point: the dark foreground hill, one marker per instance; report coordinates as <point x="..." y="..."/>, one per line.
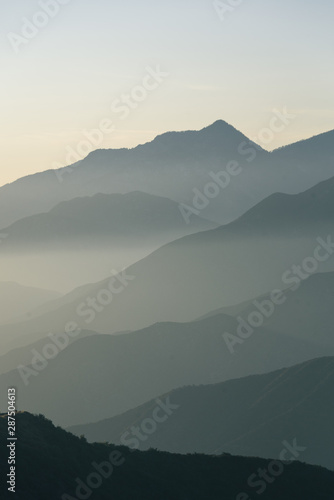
<point x="249" y="416"/>
<point x="51" y="464"/>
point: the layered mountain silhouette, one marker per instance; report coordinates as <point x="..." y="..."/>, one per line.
<point x="168" y="166"/>
<point x="196" y="271"/>
<point x="23" y="356"/>
<point x="81" y="240"/>
<point x="136" y="367"/>
<point x="55" y="464"/>
<point x="102" y="220"/>
<point x="315" y="149"/>
<point x="228" y="265"/>
<point x="247" y="416"/>
<point x="306" y="313"/>
<point x="173" y="165"/>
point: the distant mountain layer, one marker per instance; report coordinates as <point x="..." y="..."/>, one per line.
<point x="201" y="272"/>
<point x="306" y="312"/>
<point x="247" y="416"/>
<point x="131" y="369"/>
<point x="173" y="165"/>
<point x="54" y="464"/>
<point x="319" y="146"/>
<point x="81" y="240"/>
<point x="115" y="220"/>
<point x="52" y="343"/>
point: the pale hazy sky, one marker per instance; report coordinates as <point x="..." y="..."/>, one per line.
<point x="265" y="54"/>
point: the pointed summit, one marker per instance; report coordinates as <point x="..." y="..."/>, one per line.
<point x="224" y="129"/>
<point x="219" y="138"/>
<point x="219" y="125"/>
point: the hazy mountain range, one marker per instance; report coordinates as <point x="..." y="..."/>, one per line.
<point x="82" y="240"/>
<point x="306" y="313"/>
<point x="223" y="266"/>
<point x="136" y="367"/>
<point x="197" y="268"/>
<point x="171" y="166"/>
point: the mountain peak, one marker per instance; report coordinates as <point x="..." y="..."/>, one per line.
<point x="213" y="136"/>
<point x="219" y="124"/>
<point x="222" y="127"/>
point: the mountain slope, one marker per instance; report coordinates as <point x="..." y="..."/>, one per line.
<point x="18" y="355"/>
<point x="310" y="150"/>
<point x="99" y="220"/>
<point x="130" y="369"/>
<point x="51" y="463"/>
<point x="173" y="165"/>
<point x="81" y="240"/>
<point x="223" y="266"/>
<point x="248" y="416"/>
<point x="307" y="312"/>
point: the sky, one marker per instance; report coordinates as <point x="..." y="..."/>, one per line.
<point x="233" y="60"/>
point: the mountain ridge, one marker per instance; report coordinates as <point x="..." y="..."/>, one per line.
<point x="245" y="416"/>
<point x="51" y="463"/>
<point x="171" y="166"/>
